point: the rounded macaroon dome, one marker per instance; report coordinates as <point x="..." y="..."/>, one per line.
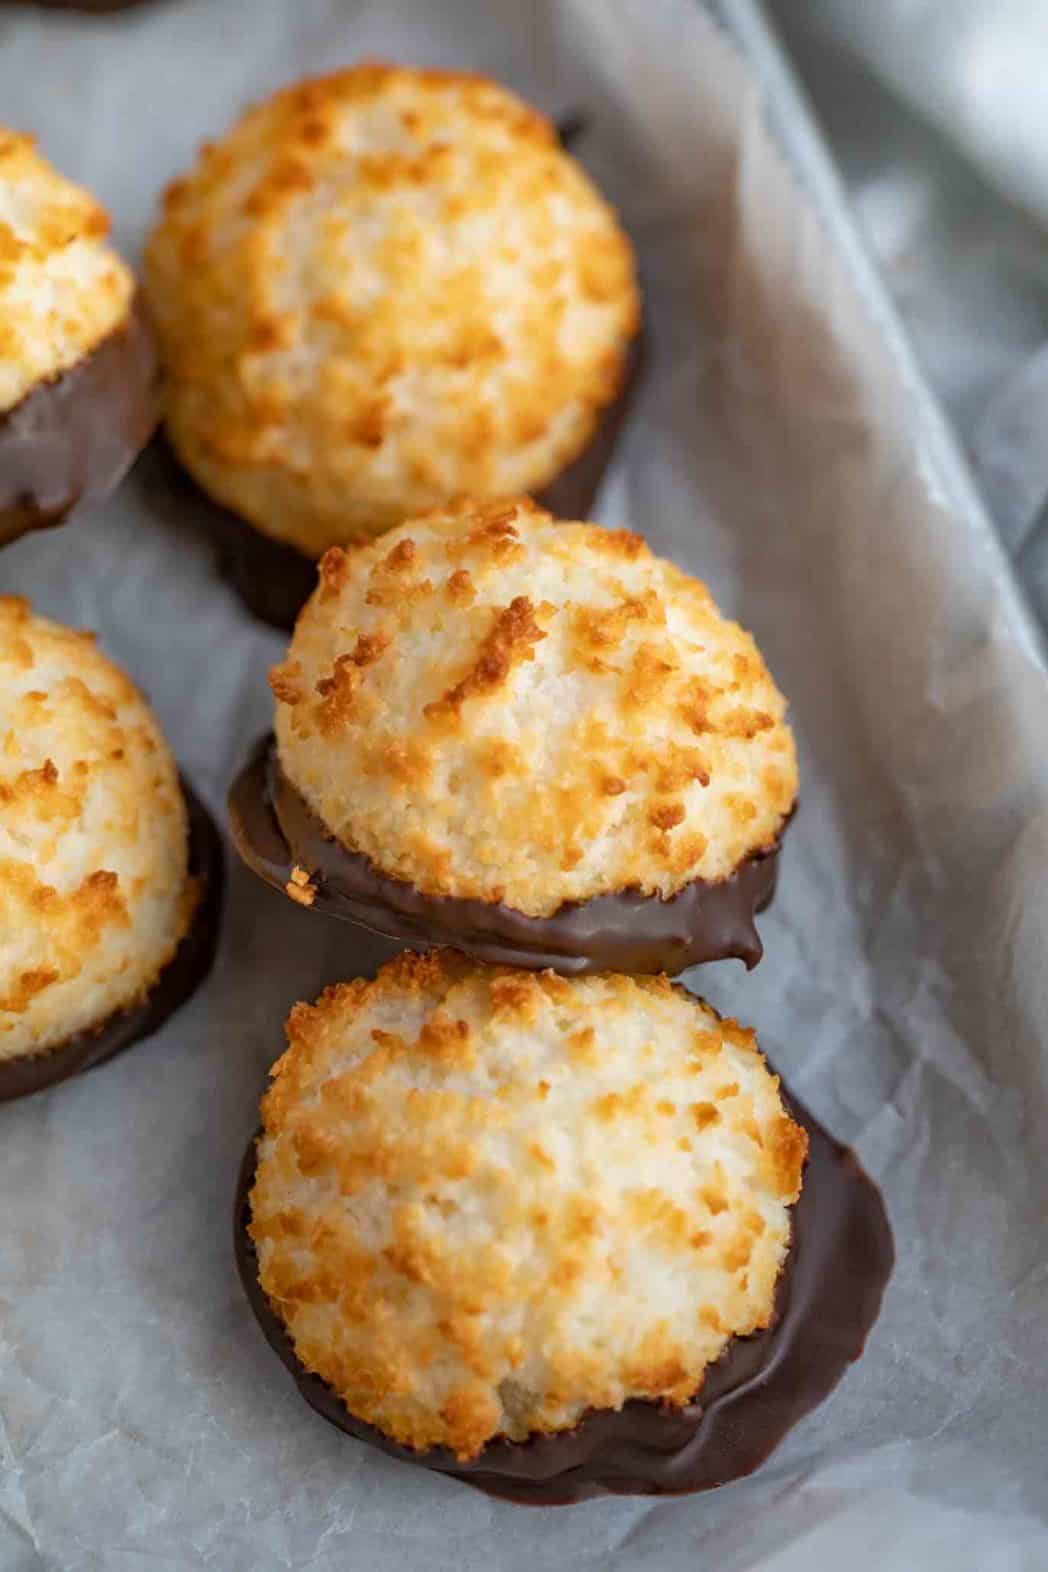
<point x="493" y="705"/>
<point x="63" y="289"/>
<point x="382" y="289"/>
<point x="95" y="894"/>
<point x="487" y="1201"/>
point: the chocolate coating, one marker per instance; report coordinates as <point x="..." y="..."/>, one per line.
<point x="177" y="982"/>
<point x="70" y="440"/>
<point x="275" y="831"/>
<point x="275" y="580"/>
<point x="828" y="1298"/>
<point x="571" y="128"/>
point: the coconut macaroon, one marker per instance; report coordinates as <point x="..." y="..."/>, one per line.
<point x="492" y="726"/>
<point x="96" y="890"/>
<point x="76" y="364"/>
<point x="382" y="289"/>
<point x="488" y="1202"/>
<point x="64" y="288"/>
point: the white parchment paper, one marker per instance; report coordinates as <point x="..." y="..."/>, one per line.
<point x="781" y="450"/>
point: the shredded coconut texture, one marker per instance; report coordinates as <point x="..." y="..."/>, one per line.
<point x="487" y="1201"/>
<point x="63" y="289"/>
<point x="94" y="891"/>
<point x="382" y="289"/>
<point x="491" y="704"/>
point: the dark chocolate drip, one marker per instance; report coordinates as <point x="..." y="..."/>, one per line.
<point x="177" y="982"/>
<point x="275" y="831"/>
<point x="574" y="491"/>
<point x="571" y="128"/>
<point x="70" y="440"/>
<point x="828" y="1298"/>
<point x="274" y="580"/>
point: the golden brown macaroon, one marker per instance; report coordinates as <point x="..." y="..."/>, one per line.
<point x="76" y="363"/>
<point x="487" y="1201"/>
<point x="63" y="288"/>
<point x="381" y="289"/>
<point x="95" y="890"/>
<point x="490" y="705"/>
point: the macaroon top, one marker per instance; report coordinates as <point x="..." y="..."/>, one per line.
<point x="94" y="891"/>
<point x="63" y="289"/>
<point x="491" y="704"/>
<point x="381" y="289"/>
<point x="487" y="1201"/>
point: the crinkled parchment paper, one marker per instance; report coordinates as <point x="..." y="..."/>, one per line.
<point x="782" y="450"/>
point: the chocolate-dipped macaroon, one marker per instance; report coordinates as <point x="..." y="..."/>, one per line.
<point x="381" y="290"/>
<point x="77" y="373"/>
<point x="544" y="1233"/>
<point x="534" y="740"/>
<point x="110" y="870"/>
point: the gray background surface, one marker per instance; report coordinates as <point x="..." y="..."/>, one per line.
<point x="955" y="214"/>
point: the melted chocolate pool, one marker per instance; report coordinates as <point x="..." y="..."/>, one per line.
<point x="274" y="580"/>
<point x="176" y="983"/>
<point x="829" y="1297"/>
<point x="70" y="440"/>
<point x="275" y="832"/>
